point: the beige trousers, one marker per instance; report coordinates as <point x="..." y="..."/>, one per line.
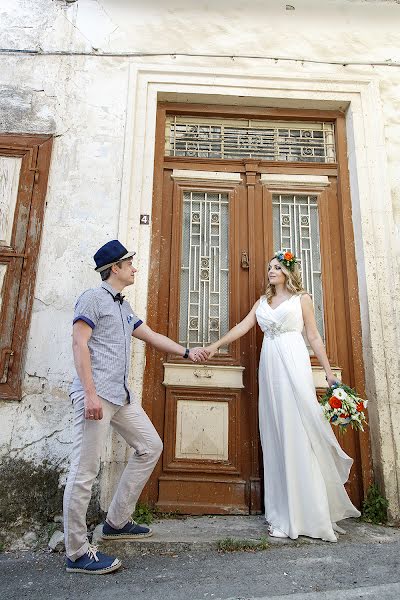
<point x="90" y="436"/>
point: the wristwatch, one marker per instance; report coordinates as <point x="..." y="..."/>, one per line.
<point x="186" y="355"/>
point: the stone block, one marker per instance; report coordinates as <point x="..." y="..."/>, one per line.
<point x="56" y="542"/>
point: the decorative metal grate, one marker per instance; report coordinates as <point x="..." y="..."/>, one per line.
<point x="243" y="138"/>
<point x="296" y="228"/>
<point x="204" y="297"/>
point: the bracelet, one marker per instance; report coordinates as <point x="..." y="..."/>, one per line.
<point x="186" y="355"/>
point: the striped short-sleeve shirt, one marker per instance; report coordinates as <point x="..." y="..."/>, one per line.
<point x="112" y="326"/>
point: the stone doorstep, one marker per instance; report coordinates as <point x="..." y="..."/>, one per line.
<point x="204" y="533"/>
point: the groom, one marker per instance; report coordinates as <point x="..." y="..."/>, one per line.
<point x="103" y="325"/>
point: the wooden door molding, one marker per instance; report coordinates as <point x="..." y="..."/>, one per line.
<point x="231" y="465"/>
<point x="351" y="303"/>
<point x="256" y="253"/>
<point x="248" y="112"/>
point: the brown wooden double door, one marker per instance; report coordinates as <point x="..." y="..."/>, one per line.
<point x="222" y="220"/>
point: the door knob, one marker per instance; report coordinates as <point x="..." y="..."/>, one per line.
<point x="245" y="260"/>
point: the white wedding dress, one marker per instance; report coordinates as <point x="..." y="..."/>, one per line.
<point x="304" y="466"/>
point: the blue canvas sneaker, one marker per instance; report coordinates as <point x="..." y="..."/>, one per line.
<point x="131" y="531"/>
<point x="93" y="562"/>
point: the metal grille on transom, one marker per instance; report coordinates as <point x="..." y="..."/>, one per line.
<point x="296" y="228"/>
<point x="244" y="138"/>
<point x="204" y="298"/>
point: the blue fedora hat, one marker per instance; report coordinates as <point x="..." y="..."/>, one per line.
<point x="109" y="254"/>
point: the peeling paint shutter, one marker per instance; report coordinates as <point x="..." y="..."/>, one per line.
<point x="23" y="162"/>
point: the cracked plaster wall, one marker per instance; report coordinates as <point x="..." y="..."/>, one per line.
<point x="82" y="100"/>
<point x="83" y="103"/>
<point x="82" y="212"/>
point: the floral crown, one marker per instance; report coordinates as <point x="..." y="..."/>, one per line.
<point x="286" y="258"/>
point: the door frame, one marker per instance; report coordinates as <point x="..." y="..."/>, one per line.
<point x="157" y="310"/>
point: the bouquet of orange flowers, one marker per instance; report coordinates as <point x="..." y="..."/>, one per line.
<point x="342" y="406"/>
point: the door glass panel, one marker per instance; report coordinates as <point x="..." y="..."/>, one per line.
<point x="10" y="167"/>
<point x="296" y="228"/>
<point x="204" y="278"/>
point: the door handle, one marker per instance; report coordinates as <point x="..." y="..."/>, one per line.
<point x="245" y="260"/>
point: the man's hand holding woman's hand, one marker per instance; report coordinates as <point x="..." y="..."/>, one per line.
<point x="93" y="408"/>
<point x="198" y="354"/>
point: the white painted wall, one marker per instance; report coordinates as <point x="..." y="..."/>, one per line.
<point x="69" y="89"/>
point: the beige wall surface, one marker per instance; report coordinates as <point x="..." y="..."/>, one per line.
<point x="70" y="74"/>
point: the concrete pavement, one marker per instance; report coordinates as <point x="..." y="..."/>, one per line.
<point x="364" y="564"/>
<point x="388" y="592"/>
<point x="205" y="533"/>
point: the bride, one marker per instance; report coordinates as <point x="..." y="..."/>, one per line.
<point x="304" y="467"/>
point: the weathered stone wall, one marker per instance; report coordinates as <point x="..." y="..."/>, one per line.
<point x="56" y="81"/>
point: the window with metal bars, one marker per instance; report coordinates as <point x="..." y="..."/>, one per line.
<point x="284" y="141"/>
<point x="296" y="228"/>
<point x="204" y="293"/>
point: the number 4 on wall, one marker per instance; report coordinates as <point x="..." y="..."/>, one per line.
<point x="144" y="219"/>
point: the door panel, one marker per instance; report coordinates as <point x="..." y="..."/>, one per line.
<point x="206" y="430"/>
<point x="305" y="219"/>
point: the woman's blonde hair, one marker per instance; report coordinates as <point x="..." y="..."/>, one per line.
<point x="294" y="284"/>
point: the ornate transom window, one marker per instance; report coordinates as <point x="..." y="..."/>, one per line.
<point x="286" y="141"/>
